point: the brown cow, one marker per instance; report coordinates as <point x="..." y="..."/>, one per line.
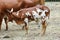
<point x="16" y="5"/>
<point x="42" y="2"/>
<point x="32" y="13"/>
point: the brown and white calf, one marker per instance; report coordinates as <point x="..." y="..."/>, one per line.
<point x="31" y="14"/>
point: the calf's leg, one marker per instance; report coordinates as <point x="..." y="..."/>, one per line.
<point x="5" y="19"/>
<point x="43" y="27"/>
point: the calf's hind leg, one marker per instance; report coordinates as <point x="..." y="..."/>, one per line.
<point x="26" y="25"/>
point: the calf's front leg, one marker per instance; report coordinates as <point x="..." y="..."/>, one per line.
<point x="43" y="27"/>
<point x="5" y="19"/>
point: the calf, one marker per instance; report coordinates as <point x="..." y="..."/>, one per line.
<point x="28" y="14"/>
<point x="23" y="16"/>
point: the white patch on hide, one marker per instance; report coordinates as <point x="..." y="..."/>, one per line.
<point x="28" y="14"/>
<point x="38" y="10"/>
<point x="35" y="15"/>
<point x="43" y="14"/>
<point x="26" y="20"/>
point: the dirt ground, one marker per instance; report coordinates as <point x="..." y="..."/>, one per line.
<point x="52" y="32"/>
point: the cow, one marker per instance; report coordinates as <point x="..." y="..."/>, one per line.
<point x="42" y="2"/>
<point x="31" y="14"/>
<point x="16" y="5"/>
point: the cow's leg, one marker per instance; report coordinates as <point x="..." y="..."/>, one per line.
<point x="0" y="22"/>
<point x="5" y="19"/>
<point x="26" y="25"/>
<point x="43" y="27"/>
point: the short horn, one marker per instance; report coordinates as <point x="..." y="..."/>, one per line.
<point x="11" y="10"/>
